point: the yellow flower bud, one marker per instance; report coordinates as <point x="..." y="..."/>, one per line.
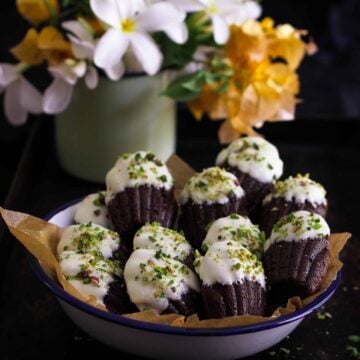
<point x="37" y="11"/>
<point x="27" y="50"/>
<point x="54" y="46"/>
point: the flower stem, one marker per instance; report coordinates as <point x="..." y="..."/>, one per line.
<point x="198" y="19"/>
<point x="51" y="9"/>
<point x="22" y="67"/>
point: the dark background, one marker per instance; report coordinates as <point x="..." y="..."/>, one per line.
<point x="326" y="149"/>
<point x="330" y="79"/>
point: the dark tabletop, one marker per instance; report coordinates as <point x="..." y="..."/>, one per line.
<point x="31" y="321"/>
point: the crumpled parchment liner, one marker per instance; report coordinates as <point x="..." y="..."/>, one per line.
<point x="41" y="239"/>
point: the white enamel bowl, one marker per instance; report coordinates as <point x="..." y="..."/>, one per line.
<point x="166" y="342"/>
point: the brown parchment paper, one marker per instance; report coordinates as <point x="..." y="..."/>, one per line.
<point x="41" y="239"/>
<point x="181" y="172"/>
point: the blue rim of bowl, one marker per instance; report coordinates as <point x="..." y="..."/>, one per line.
<point x="167" y="329"/>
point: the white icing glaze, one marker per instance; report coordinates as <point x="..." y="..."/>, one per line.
<point x="298" y="189"/>
<point x="156" y="237"/>
<point x="253" y="156"/>
<point x="296" y="226"/>
<point x="152" y="281"/>
<point x="212" y="185"/>
<point x="228" y="262"/>
<point x="93" y="209"/>
<point x="87" y="238"/>
<point x="236" y="228"/>
<point x="140" y="168"/>
<point x="99" y="273"/>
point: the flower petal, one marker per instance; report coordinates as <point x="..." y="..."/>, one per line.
<point x="110" y="49"/>
<point x="91" y="78"/>
<point x="65" y="73"/>
<point x="220" y="29"/>
<point x="179" y="33"/>
<point x="107" y="11"/>
<point x="78" y="30"/>
<point x="159" y="16"/>
<point x="14" y="112"/>
<point x="115" y="72"/>
<point x="253" y="9"/>
<point x="57" y="96"/>
<point x="27" y="50"/>
<point x="227" y="133"/>
<point x="50" y="38"/>
<point x="146" y="52"/>
<point x="226" y="7"/>
<point x="30" y="97"/>
<point x="188" y="5"/>
<point x="79" y="69"/>
<point x="8" y="74"/>
<point x="128" y="8"/>
<point x="244" y="12"/>
<point x="82" y="49"/>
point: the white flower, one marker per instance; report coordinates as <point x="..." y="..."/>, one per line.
<point x="82" y="41"/>
<point x="177" y="32"/>
<point x="83" y="46"/>
<point x="222" y="13"/>
<point x="130" y="23"/>
<point x="58" y="95"/>
<point x="246" y="10"/>
<point x="20" y="98"/>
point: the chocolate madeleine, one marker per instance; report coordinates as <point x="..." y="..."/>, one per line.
<point x="256" y="164"/>
<point x="212" y="194"/>
<point x="166" y="242"/>
<point x="157" y="282"/>
<point x="236" y="228"/>
<point x="297" y="255"/>
<point x="293" y="194"/>
<point x="88" y="256"/>
<point x="93" y="209"/>
<point x="232" y="281"/>
<point x="139" y="190"/>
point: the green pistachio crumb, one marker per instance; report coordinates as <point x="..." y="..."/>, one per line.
<point x="97" y="212"/>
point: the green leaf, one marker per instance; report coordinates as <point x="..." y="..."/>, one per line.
<point x="211" y="78"/>
<point x="223" y="88"/>
<point x="354" y="352"/>
<point x="185" y="88"/>
<point x="195" y="83"/>
<point x="354" y="338"/>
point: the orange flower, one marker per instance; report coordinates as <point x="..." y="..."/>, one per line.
<point x="54" y="46"/>
<point x="27" y="50"/>
<point x="48" y="45"/>
<point x="264" y="84"/>
<point x="37" y="11"/>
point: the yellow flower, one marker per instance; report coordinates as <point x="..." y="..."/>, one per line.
<point x="37" y="11"/>
<point x="27" y="50"/>
<point x="54" y="46"/>
<point x="246" y="44"/>
<point x="209" y="102"/>
<point x="48" y="45"/>
<point x="288" y="45"/>
<point x="264" y="84"/>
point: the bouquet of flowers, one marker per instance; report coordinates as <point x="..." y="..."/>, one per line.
<point x="228" y="65"/>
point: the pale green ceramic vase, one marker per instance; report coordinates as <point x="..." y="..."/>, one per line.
<point x="116" y="117"/>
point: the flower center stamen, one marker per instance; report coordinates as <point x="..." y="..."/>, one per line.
<point x="212" y="9"/>
<point x="128" y="25"/>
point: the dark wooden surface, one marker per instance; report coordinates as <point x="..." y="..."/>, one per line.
<point x="31" y="321"/>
